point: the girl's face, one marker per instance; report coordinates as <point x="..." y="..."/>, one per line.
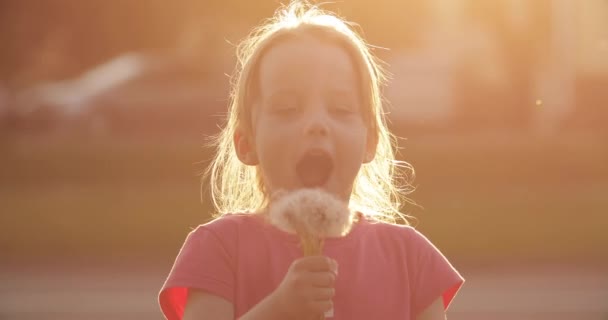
<point x="308" y="125"/>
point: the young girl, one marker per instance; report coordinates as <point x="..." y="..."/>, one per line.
<point x="306" y="113"/>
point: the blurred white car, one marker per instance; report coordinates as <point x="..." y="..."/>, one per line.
<point x="131" y="93"/>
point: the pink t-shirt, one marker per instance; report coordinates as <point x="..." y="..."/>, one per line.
<point x="386" y="271"/>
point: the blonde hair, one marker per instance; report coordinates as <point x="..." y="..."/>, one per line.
<point x="236" y="187"/>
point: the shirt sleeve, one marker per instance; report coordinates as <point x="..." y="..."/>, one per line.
<point x="205" y="263"/>
<point x="433" y="275"/>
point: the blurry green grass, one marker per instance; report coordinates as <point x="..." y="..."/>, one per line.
<point x="484" y="199"/>
<point x="118" y="221"/>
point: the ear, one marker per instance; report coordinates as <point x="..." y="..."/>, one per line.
<point x="245" y="149"/>
<point x="371" y="146"/>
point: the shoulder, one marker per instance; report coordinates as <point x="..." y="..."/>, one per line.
<point x="227" y="224"/>
<point x="214" y="244"/>
<point x="224" y="231"/>
<point x="394" y="231"/>
<point x="398" y="237"/>
<point x="430" y="273"/>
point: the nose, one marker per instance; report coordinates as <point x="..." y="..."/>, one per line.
<point x="316" y="124"/>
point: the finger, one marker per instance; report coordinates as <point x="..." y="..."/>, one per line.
<point x="317" y="263"/>
<point x="322" y="279"/>
<point x="321" y="306"/>
<point x="323" y="294"/>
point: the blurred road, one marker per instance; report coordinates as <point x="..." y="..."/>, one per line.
<point x="100" y="293"/>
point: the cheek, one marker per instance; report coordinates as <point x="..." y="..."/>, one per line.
<point x="272" y="135"/>
<point x="272" y="148"/>
<point x="353" y="152"/>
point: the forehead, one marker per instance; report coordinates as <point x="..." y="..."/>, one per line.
<point x="306" y="64"/>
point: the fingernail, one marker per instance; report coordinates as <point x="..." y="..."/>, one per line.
<point x="334" y="266"/>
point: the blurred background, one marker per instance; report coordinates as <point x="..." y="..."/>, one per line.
<point x="105" y="106"/>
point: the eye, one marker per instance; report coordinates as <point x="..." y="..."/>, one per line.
<point x="284" y="108"/>
<point x="283" y="105"/>
<point x="342" y="108"/>
<point x="343" y="103"/>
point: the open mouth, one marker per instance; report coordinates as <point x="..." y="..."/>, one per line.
<point x="314" y="169"/>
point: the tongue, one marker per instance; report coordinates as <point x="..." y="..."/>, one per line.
<point x="314" y="170"/>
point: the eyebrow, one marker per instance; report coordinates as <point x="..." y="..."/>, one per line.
<point x="339" y="93"/>
<point x="281" y="94"/>
<point x="343" y="93"/>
